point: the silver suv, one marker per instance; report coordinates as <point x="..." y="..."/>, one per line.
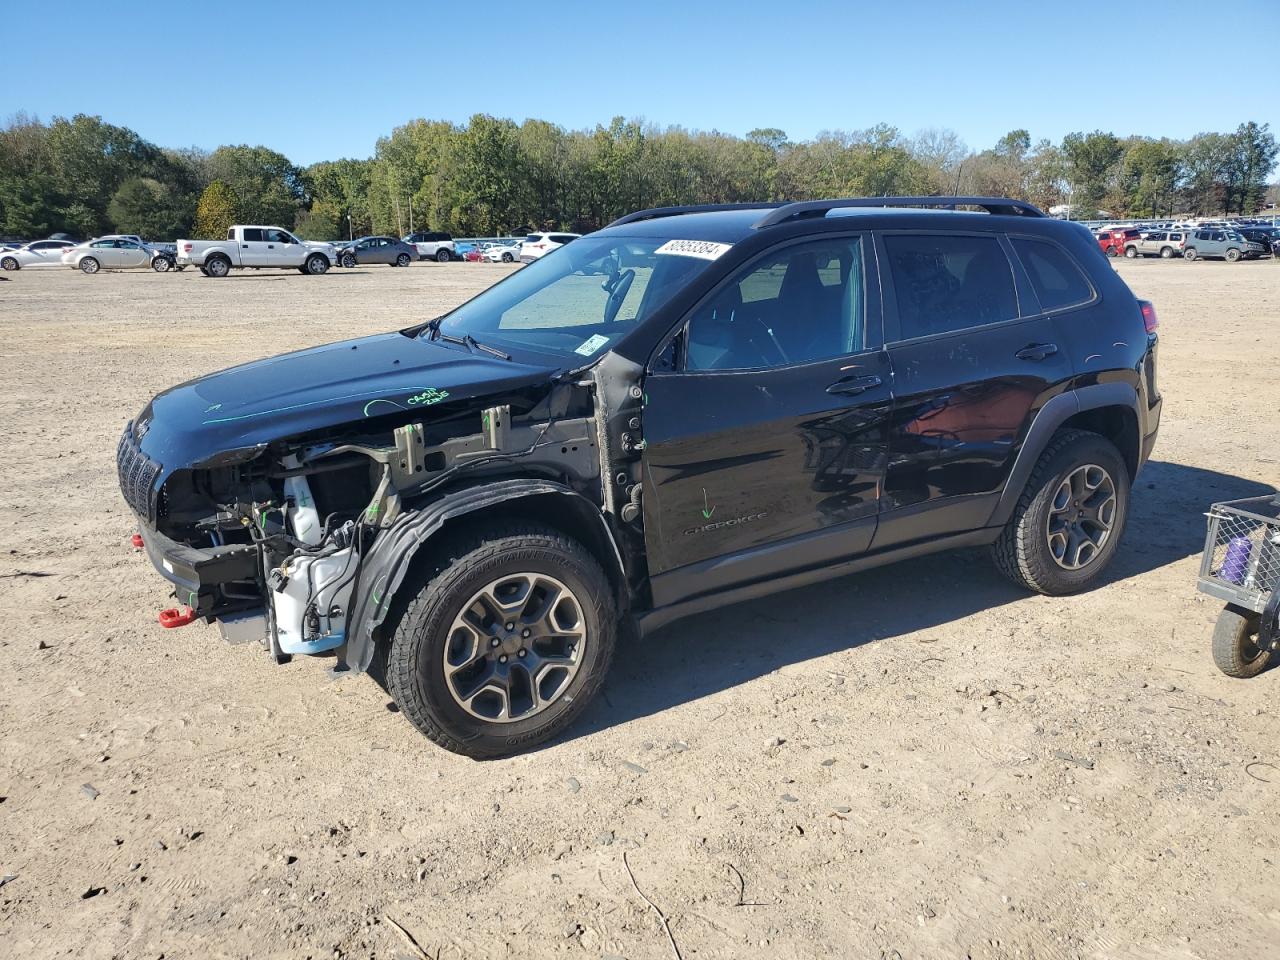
<point x="1157" y="243"/>
<point x="1226" y="244"/>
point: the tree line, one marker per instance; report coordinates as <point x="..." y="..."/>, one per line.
<point x="492" y="176"/>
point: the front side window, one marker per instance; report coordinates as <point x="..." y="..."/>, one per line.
<point x="1055" y="277"/>
<point x="948" y="282"/>
<point x="278" y="236"/>
<point x="797" y="305"/>
<point x="578" y="303"/>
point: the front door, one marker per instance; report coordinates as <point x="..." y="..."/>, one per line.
<point x="130" y="254"/>
<point x="765" y="446"/>
<point x="282" y="249"/>
<point x="973" y="359"/>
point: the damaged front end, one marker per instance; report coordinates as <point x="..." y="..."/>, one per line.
<point x="301" y="542"/>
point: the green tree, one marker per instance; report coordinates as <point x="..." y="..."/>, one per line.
<point x="151" y="209"/>
<point x="217" y="210"/>
<point x="1149" y="177"/>
<point x="321" y="222"/>
<point x="270" y="189"/>
<point x="1092" y="163"/>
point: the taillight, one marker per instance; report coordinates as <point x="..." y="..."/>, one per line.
<point x="1149" y="318"/>
<point x="186" y="248"/>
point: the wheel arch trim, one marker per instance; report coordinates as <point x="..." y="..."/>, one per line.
<point x="1057" y="411"/>
<point x="390" y="558"/>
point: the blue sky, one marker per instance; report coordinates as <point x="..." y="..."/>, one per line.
<point x="192" y="76"/>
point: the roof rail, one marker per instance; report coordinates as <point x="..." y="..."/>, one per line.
<point x="819" y="208"/>
<point x="659" y="212"/>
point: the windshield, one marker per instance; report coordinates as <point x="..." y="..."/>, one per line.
<point x="579" y="299"/>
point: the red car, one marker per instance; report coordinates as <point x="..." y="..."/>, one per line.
<point x="1113" y="241"/>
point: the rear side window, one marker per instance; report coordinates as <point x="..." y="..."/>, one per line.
<point x="945" y="282"/>
<point x="1056" y="279"/>
<point x="253" y="235"/>
<point x="561" y="237"/>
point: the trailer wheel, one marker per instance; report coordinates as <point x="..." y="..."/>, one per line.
<point x="1235" y="644"/>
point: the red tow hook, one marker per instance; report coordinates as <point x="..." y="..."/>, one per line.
<point x="136" y="540"/>
<point x="173" y="617"/>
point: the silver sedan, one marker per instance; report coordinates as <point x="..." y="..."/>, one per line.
<point x="110" y="253"/>
<point x="389" y="250"/>
<point x="38" y="253"/>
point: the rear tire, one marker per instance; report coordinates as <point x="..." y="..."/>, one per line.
<point x="1078" y="474"/>
<point x="455" y="619"/>
<point x="402" y="260"/>
<point x="443" y="256"/>
<point x="9" y="263"/>
<point x="1235" y="649"/>
<point x="90" y="265"/>
<point x="1166" y="253"/>
<point x="217" y="267"/>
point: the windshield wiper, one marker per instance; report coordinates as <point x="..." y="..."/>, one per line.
<point x="466" y="340"/>
<point x="475" y="344"/>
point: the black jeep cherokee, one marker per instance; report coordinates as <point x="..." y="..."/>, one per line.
<point x="692" y="407"/>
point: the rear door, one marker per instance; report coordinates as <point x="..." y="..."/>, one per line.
<point x="253" y="248"/>
<point x="974" y="358"/>
<point x="765" y="445"/>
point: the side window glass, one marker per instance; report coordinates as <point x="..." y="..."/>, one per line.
<point x="949" y="282"/>
<point x="800" y="304"/>
<point x="231" y="233"/>
<point x="253" y="235"/>
<point x="1056" y="279"/>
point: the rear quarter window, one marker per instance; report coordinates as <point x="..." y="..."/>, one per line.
<point x="1055" y="277"/>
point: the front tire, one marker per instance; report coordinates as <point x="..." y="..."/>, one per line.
<point x="1235" y="644"/>
<point x="317" y="264"/>
<point x="1233" y="255"/>
<point x="1131" y="252"/>
<point x="90" y="265"/>
<point x="1112" y="252"/>
<point x="1190" y="254"/>
<point x="1067" y="524"/>
<point x="161" y="265"/>
<point x="348" y="260"/>
<point x="507" y="258"/>
<point x="508" y="640"/>
<point x="443" y="256"/>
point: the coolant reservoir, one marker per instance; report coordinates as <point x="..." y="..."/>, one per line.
<point x="303" y="514"/>
<point x="311" y="609"/>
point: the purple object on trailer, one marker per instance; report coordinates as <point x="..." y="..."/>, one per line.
<point x="1236" y="561"/>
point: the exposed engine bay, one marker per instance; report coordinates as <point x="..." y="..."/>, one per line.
<point x="299" y="542"/>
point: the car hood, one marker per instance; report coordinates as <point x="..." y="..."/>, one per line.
<point x="388" y="375"/>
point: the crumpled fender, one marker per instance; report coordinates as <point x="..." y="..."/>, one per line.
<point x="388" y="560"/>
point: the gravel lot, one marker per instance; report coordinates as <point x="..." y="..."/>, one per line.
<point x="918" y="761"/>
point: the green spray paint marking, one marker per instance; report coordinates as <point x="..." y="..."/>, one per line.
<point x="313" y="403"/>
<point x="372" y="402"/>
<point x="213" y="407"/>
<point x="427" y="397"/>
<point x="707" y="511"/>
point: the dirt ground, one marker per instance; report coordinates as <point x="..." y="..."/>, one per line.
<point x="914" y="762"/>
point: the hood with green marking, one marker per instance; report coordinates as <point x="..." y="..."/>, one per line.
<point x="328" y="386"/>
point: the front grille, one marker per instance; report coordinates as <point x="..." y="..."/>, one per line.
<point x="137" y="476"/>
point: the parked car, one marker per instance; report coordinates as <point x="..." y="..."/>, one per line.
<point x="442" y="505"/>
<point x="432" y="245"/>
<point x="114" y="253"/>
<point x="1269" y="237"/>
<point x="538" y="245"/>
<point x="256" y="248"/>
<point x="367" y="250"/>
<point x="1113" y="242"/>
<point x="37" y="253"/>
<point x="476" y="253"/>
<point x="1157" y="243"/>
<point x="1221" y="244"/>
<point x="503" y="251"/>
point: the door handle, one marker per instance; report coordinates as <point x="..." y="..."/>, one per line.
<point x="1037" y="351"/>
<point x="271" y="246"/>
<point x="852" y="386"/>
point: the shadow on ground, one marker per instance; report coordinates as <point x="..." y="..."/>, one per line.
<point x="703" y="655"/>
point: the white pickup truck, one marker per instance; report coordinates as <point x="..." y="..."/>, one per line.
<point x="257" y="248"/>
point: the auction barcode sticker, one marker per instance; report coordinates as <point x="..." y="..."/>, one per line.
<point x="703" y="249"/>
